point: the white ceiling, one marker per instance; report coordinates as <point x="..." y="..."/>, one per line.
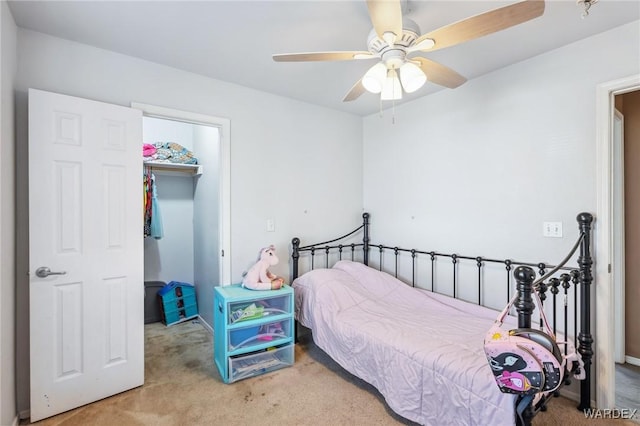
<point x="234" y="40"/>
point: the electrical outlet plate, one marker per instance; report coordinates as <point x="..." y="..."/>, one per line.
<point x="552" y="229"/>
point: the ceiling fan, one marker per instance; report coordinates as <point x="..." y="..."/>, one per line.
<point x="397" y="42"/>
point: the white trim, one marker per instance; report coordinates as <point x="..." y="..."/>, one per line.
<point x="632" y="360"/>
<point x="604" y="300"/>
<point x="224" y="127"/>
<point x="617" y="211"/>
<point x="205" y="324"/>
<point x="162" y="168"/>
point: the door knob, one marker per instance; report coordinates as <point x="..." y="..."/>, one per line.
<point x="44" y="272"/>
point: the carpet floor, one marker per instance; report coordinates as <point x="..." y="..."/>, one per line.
<point x="183" y="387"/>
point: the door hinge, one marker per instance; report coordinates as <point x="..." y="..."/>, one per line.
<point x="222" y="251"/>
<point x="609" y="268"/>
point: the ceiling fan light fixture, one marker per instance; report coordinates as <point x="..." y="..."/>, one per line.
<point x="374" y="79"/>
<point x="391" y="88"/>
<point x="412" y="77"/>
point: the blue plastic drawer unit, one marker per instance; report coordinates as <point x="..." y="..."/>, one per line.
<point x="177" y="302"/>
<point x="253" y="331"/>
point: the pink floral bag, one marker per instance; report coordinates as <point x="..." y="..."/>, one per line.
<point x="524" y="361"/>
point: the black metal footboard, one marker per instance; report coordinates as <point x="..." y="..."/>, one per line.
<point x="564" y="290"/>
<point x="581" y="278"/>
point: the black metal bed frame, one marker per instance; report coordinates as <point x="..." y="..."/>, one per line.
<point x="526" y="278"/>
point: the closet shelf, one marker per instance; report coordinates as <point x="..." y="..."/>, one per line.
<point x="191" y="169"/>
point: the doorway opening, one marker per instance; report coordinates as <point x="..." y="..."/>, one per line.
<point x="608" y="236"/>
<point x="626" y="273"/>
<point x="194" y="205"/>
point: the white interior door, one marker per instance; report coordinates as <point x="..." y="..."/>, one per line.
<point x="85" y="225"/>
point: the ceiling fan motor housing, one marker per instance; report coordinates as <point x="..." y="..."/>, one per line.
<point x="379" y="47"/>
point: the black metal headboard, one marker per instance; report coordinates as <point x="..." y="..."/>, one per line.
<point x="549" y="281"/>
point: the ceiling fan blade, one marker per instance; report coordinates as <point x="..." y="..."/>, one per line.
<point x="483" y="24"/>
<point x="439" y="74"/>
<point x="355" y="92"/>
<point x="322" y="56"/>
<point x="386" y="16"/>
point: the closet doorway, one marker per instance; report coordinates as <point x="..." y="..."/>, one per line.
<point x="194" y="205"/>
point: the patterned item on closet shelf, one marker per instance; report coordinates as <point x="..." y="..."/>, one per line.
<point x="174" y="153"/>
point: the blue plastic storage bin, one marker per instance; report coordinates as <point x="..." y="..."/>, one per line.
<point x="178" y="302"/>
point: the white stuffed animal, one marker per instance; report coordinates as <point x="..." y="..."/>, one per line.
<point x="258" y="276"/>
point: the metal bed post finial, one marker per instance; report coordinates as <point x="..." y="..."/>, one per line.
<point x="524" y="277"/>
<point x="295" y="255"/>
<point x="585" y="339"/>
<point x="365" y="238"/>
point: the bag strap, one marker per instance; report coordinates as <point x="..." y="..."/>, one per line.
<point x="504" y="312"/>
<point x="543" y="316"/>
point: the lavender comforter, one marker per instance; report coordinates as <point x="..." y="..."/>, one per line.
<point x="422" y="351"/>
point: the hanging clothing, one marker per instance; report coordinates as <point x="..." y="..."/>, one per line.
<point x="152" y="218"/>
<point x="146" y="200"/>
<point x="157" y="231"/>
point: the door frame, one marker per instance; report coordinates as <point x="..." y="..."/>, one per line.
<point x="618" y="267"/>
<point x="224" y="129"/>
<point x="604" y="243"/>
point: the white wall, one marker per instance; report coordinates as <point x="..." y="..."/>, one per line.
<point x="8" y="61"/>
<point x="477" y="170"/>
<point x="297" y="163"/>
<point x="160" y="130"/>
<point x="170" y="258"/>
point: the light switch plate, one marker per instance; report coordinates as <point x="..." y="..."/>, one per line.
<point x="552" y="229"/>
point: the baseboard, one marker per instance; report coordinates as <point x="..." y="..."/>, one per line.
<point x="205" y="324"/>
<point x="632" y="360"/>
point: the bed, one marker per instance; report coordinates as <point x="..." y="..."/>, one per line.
<point x="424" y="350"/>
